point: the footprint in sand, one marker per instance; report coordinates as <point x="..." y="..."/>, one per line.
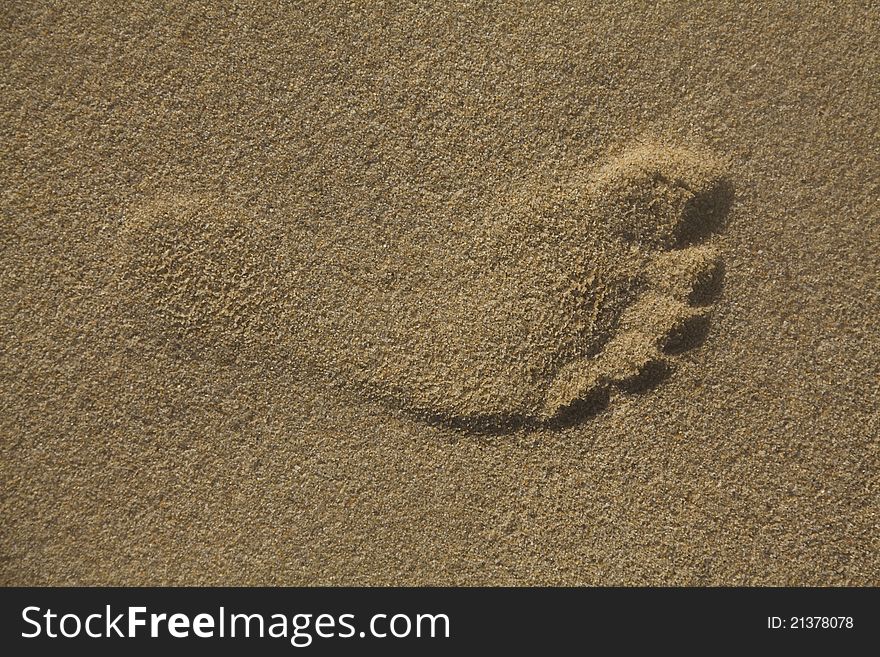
<point x="528" y="314"/>
<point x="552" y="298"/>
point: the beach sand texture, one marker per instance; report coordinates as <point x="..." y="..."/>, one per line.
<point x="433" y="293"/>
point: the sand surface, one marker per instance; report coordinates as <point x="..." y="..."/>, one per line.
<point x="380" y="293"/>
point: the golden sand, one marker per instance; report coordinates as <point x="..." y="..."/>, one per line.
<point x="418" y="294"/>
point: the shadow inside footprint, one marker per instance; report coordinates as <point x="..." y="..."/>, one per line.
<point x="581" y="410"/>
<point x="690" y="334"/>
<point x="487" y="425"/>
<point x="650" y="376"/>
<point x="705" y="214"/>
<point x="708" y="286"/>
